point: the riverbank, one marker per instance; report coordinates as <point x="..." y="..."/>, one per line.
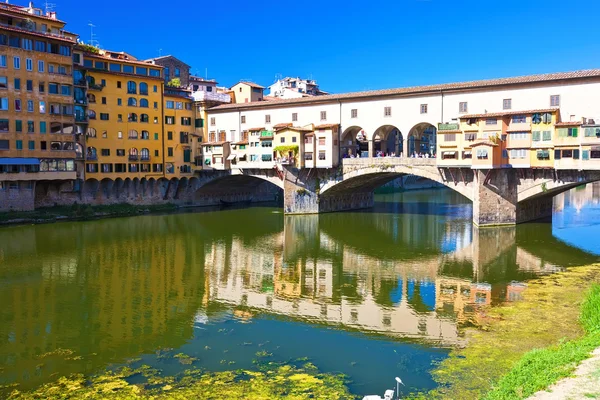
<point x="501" y="360"/>
<point x="79" y="212"/>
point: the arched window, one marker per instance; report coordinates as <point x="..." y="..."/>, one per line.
<point x="91" y="153"/>
<point x="144" y="118"/>
<point x="91" y="114"/>
<point x="143" y="88"/>
<point x="131" y="87"/>
<point x="91" y="132"/>
<point x="170" y="167"/>
<point x="144" y="103"/>
<point x="133" y="154"/>
<point x="132" y="102"/>
<point x="145" y="154"/>
<point x="145" y="135"/>
<point x="69" y="146"/>
<point x="90" y="80"/>
<point x="56" y="146"/>
<point x="91" y="98"/>
<point x="133" y="134"/>
<point x="132" y="117"/>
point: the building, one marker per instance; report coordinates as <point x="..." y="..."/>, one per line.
<point x="179" y="129"/>
<point x="247" y="92"/>
<point x="37" y="131"/>
<point x="198" y="84"/>
<point x="293" y="88"/>
<point x="124" y="137"/>
<point x="173" y="68"/>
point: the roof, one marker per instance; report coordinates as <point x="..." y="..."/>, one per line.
<point x="296" y="128"/>
<point x="568" y="123"/>
<point x="245" y="141"/>
<point x="326" y="126"/>
<point x="256" y="129"/>
<point x="484" y="143"/>
<point x="283" y="125"/>
<point x="23" y="10"/>
<point x="471" y="85"/>
<point x="251" y="84"/>
<point x="508" y="113"/>
<point x="166" y="57"/>
<point x="214" y="143"/>
<point x="39" y="34"/>
<point x="136" y="62"/>
<point x="200" y="79"/>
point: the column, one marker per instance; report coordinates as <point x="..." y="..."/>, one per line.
<point x="495" y="202"/>
<point x="371" y="148"/>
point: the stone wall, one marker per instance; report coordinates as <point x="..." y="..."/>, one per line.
<point x="495" y="201"/>
<point x="16" y="199"/>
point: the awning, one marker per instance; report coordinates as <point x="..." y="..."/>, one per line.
<point x="467" y="153"/>
<point x="231" y="157"/>
<point x="19" y="161"/>
<point x="448" y="153"/>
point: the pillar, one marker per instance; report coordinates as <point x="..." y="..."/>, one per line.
<point x="371" y="148"/>
<point x="405" y="146"/>
<point x="397" y="144"/>
<point x="495" y="201"/>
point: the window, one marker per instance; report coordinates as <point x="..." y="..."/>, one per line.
<point x="518" y="135"/>
<point x="144" y="103"/>
<point x="294" y="117"/>
<point x="104" y="100"/>
<point x="3" y="82"/>
<point x="322" y="141"/>
<point x="354" y="113"/>
<point x="543" y="154"/>
<point x="323" y="115"/>
<point x="132" y="117"/>
<point x="132" y="102"/>
<point x="65" y="90"/>
<point x="186" y="121"/>
<point x="29" y="84"/>
<point x="29" y="64"/>
<point x="423" y="108"/>
<point x="30" y="126"/>
<point x="266" y="143"/>
<point x="567" y="132"/>
<point x="4" y="145"/>
<point x="518" y="153"/>
<point x="213" y="121"/>
<point x="179" y="105"/>
<point x="17" y="104"/>
<point x="105" y="152"/>
<point x="31" y="145"/>
<point x="42" y="126"/>
<point x="118" y="84"/>
<point x="169" y="135"/>
<point x="4" y="103"/>
<point x="592" y="132"/>
<point x="169" y="152"/>
<point x="449" y="137"/>
<point x="29" y="105"/>
<point x="19" y="145"/>
<point x="554" y="100"/>
<point x="144" y="118"/>
<point x="16" y="62"/>
<point x="308" y="156"/>
<point x="491" y="121"/>
<point x="282" y="139"/>
<point x="143" y="88"/>
<point x="40" y="66"/>
<point x="518" y="119"/>
<point x="506" y="104"/>
<point x="547" y="135"/>
<point x="322" y="155"/>
<point x="170" y="120"/>
<point x="462" y="108"/>
<point x="242" y="120"/>
<point x="267" y="119"/>
<point x="567" y="154"/>
<point x="131" y="87"/>
<point x="3" y="61"/>
<point x="482" y="154"/>
<point x="536" y="136"/>
<point x="133" y="134"/>
<point x="17" y="84"/>
<point x="387" y="111"/>
<point x="53" y="88"/>
<point x="41" y="87"/>
<point x="104" y="116"/>
<point x="267" y="157"/>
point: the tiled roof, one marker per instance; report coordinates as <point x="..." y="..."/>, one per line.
<point x="297" y="128"/>
<point x="251" y="84"/>
<point x="23" y="10"/>
<point x="489" y="83"/>
<point x="568" y="123"/>
<point x="326" y="126"/>
<point x="241" y="142"/>
<point x="508" y="113"/>
<point x="509" y="130"/>
<point x="256" y="129"/>
<point x="283" y="125"/>
<point x="39" y="34"/>
<point x="214" y="143"/>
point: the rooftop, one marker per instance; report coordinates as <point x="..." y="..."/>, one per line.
<point x="458" y="86"/>
<point x="251" y="84"/>
<point x="509" y="113"/>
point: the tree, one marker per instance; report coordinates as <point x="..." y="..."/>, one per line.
<point x="175" y="82"/>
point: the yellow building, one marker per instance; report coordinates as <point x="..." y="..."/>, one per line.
<point x="179" y="131"/>
<point x="124" y="138"/>
<point x="246" y="92"/>
<point x="37" y="140"/>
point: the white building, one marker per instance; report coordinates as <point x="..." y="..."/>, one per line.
<point x="293" y="88"/>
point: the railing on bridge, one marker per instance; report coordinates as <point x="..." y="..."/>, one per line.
<point x="388" y="161"/>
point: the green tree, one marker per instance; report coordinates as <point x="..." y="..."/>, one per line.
<point x="175" y="82"/>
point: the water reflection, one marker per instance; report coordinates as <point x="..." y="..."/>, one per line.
<point x="122" y="288"/>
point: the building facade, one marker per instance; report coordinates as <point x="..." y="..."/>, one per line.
<point x="293" y="88"/>
<point x="247" y="92"/>
<point x="173" y="68"/>
<point x="37" y="131"/>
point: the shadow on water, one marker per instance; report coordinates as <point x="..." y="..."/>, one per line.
<point x="394" y="284"/>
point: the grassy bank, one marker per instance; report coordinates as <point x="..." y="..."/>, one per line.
<point x="540" y="368"/>
<point x="79" y="212"/>
<point x="505" y="338"/>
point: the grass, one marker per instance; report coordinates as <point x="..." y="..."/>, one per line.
<point x="540" y="368"/>
<point x="81" y="211"/>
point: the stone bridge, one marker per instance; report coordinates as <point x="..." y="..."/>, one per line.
<point x="500" y="196"/>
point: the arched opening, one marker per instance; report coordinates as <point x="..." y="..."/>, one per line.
<point x="133" y="134"/>
<point x="421" y="140"/>
<point x="387" y="141"/>
<point x="132" y="102"/>
<point x="144" y="103"/>
<point x="143" y="88"/>
<point x="133" y="154"/>
<point x="131" y="87"/>
<point x="132" y="117"/>
<point x="354" y="143"/>
<point x="238" y="188"/>
<point x="144" y="118"/>
<point x="145" y="154"/>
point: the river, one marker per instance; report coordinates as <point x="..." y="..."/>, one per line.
<point x="371" y="294"/>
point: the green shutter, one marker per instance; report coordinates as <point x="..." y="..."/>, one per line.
<point x="19" y="125"/>
<point x="19" y="145"/>
<point x="187" y="155"/>
<point x="156" y="136"/>
<point x="43" y="127"/>
<point x="535" y="136"/>
<point x="199" y="123"/>
<point x="575" y="132"/>
<point x="31" y="145"/>
<point x="576" y="154"/>
<point x="585" y="155"/>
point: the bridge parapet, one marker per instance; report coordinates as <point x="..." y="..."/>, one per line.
<point x="353" y="164"/>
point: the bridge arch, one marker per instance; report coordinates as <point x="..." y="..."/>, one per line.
<point x="232" y="187"/>
<point x="421" y="139"/>
<point x="353" y="141"/>
<point x="550" y="185"/>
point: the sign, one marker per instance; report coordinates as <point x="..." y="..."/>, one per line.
<point x="448" y="127"/>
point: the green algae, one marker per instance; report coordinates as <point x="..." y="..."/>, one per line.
<point x="547" y="316"/>
<point x="271" y="381"/>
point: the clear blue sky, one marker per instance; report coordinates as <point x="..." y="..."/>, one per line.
<point x="349" y="45"/>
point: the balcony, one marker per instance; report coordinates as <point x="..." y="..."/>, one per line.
<point x="145" y="158"/>
<point x="91" y="157"/>
<point x="211" y="96"/>
<point x="81" y="118"/>
<point x="134" y="158"/>
<point x="79" y="82"/>
<point x="96" y="87"/>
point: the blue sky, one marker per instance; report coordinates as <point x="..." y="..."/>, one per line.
<point x="350" y="45"/>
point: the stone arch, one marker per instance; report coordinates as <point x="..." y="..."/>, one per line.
<point x="106" y="185"/>
<point x="354" y="141"/>
<point x="531" y="188"/>
<point x="421" y="139"/>
<point x="367" y="179"/>
<point x="236" y="188"/>
<point x="388" y="139"/>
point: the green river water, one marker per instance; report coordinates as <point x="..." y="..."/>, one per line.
<point x="370" y="294"/>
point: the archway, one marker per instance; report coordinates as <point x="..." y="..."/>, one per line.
<point x="387" y="141"/>
<point x="237" y="188"/>
<point x="421" y="140"/>
<point x="354" y="142"/>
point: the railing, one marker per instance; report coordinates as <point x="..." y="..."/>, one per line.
<point x="211" y="96"/>
<point x="133" y="158"/>
<point x="91" y="157"/>
<point x="96" y="87"/>
<point x="365" y="161"/>
<point x="145" y="158"/>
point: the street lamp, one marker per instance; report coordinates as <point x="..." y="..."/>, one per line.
<point x="398" y="383"/>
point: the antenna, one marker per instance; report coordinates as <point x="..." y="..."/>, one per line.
<point x="93" y="40"/>
<point x="49" y="7"/>
<point x="160" y="52"/>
